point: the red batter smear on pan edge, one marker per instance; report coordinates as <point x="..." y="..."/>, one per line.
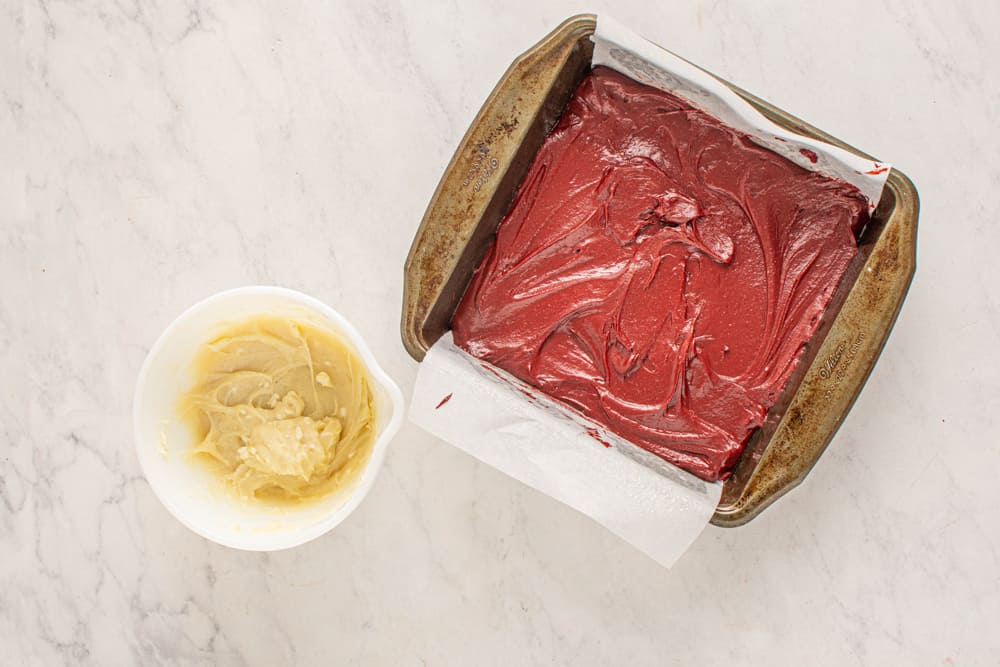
<point x="659" y="272"/>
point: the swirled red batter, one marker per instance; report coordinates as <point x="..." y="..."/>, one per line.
<point x="659" y="272"/>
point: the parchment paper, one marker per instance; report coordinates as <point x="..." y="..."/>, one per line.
<point x="488" y="413"/>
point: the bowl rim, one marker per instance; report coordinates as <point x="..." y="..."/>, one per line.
<point x="276" y="541"/>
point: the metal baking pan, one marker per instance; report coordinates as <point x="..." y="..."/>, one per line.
<point x="480" y="182"/>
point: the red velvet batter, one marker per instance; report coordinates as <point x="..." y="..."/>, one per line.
<point x="659" y="272"/>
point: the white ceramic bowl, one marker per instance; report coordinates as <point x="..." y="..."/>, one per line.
<point x="187" y="489"/>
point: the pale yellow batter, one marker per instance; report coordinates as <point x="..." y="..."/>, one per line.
<point x="282" y="409"/>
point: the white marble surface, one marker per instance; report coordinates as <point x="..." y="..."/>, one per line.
<point x="153" y="153"/>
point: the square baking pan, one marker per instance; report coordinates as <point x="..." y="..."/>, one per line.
<point x="479" y="185"/>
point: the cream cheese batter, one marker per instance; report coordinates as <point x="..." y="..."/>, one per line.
<point x="281" y="409"/>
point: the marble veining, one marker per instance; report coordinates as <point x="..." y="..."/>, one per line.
<point x="154" y="153"/>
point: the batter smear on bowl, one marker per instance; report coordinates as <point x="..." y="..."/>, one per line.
<point x="659" y="272"/>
